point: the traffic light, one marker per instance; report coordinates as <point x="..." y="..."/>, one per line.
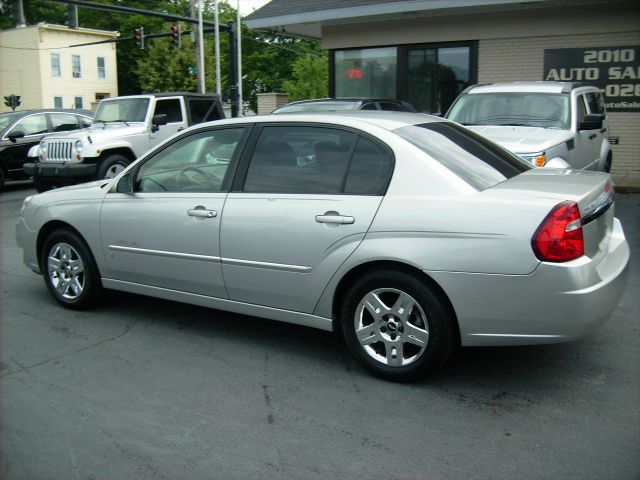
<point x="12" y="101"/>
<point x="176" y="34"/>
<point x="138" y="35"/>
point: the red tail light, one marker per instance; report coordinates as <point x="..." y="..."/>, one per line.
<point x="559" y="237"/>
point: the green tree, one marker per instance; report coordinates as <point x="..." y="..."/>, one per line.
<point x="310" y="78"/>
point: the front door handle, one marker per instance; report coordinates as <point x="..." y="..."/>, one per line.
<point x="334" y="217"/>
<point x="592" y="136"/>
<point x="201" y="212"/>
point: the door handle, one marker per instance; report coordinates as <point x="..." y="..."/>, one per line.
<point x="334" y="217"/>
<point x="201" y="212"/>
<point x="592" y="136"/>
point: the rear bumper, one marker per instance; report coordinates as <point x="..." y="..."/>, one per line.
<point x="61" y="170"/>
<point x="556" y="303"/>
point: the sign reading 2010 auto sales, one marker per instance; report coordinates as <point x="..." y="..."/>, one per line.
<point x="614" y="69"/>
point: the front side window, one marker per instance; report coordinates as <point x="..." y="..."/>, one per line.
<point x="367" y="72"/>
<point x="546" y="110"/>
<point x="197" y="163"/>
<point x="292" y="159"/>
<point x="32" y="125"/>
<point x="477" y="161"/>
<point x="171" y="108"/>
<point x="75" y="66"/>
<point x="595" y="103"/>
<point x="122" y="110"/>
<point x="582" y="109"/>
<point x="63" y="122"/>
<point x="102" y="71"/>
<point x="57" y="102"/>
<point x="55" y="65"/>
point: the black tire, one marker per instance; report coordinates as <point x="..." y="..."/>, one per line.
<point x="112" y="165"/>
<point x="1" y="178"/>
<point x="42" y="186"/>
<point x="73" y="290"/>
<point x="608" y="162"/>
<point x="427" y="311"/>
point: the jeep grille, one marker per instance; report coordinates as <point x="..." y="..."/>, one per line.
<point x="59" y="151"/>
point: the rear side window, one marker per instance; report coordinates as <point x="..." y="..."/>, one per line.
<point x="63" y="122"/>
<point x="370" y="169"/>
<point x="299" y="160"/>
<point x="477" y="161"/>
<point x="170" y="107"/>
<point x="392" y="107"/>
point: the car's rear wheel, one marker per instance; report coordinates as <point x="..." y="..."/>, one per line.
<point x="396" y="325"/>
<point x="112" y="165"/>
<point x="1" y="178"/>
<point x="70" y="270"/>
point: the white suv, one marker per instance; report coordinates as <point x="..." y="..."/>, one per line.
<point x="553" y="124"/>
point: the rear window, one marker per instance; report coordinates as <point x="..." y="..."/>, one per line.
<point x="476" y="160"/>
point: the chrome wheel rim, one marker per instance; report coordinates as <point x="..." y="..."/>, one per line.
<point x="66" y="271"/>
<point x="114" y="170"/>
<point x="391" y="327"/>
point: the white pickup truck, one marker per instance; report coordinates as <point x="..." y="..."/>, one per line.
<point x="549" y="124"/>
<point x="123" y="129"/>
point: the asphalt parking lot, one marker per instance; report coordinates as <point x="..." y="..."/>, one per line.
<point x="148" y="389"/>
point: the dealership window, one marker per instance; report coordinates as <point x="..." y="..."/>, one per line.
<point x="77" y="102"/>
<point x="75" y="66"/>
<point x="367" y="72"/>
<point x="55" y="65"/>
<point x="102" y="72"/>
<point x="57" y="102"/>
<point x="429" y="76"/>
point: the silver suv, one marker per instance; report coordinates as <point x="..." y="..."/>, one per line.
<point x="553" y="124"/>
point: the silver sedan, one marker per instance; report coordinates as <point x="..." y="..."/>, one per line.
<point x="408" y="234"/>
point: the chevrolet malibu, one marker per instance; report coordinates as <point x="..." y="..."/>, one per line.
<point x="406" y="233"/>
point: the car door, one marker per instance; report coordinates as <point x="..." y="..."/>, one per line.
<point x="299" y="212"/>
<point x="171" y="107"/>
<point x="34" y="127"/>
<point x="166" y="233"/>
<point x="587" y="142"/>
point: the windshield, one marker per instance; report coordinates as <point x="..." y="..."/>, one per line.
<point x="479" y="162"/>
<point x="316" y="107"/>
<point x="7" y="119"/>
<point x="547" y="110"/>
<point x="122" y="110"/>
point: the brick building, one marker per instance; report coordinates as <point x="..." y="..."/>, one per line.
<point x="427" y="51"/>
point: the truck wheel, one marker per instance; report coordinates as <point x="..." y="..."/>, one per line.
<point x="42" y="186"/>
<point x="112" y="165"/>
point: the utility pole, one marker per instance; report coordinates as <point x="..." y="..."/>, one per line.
<point x="216" y="40"/>
<point x="239" y="27"/>
<point x="201" y="43"/>
<point x="196" y="41"/>
<point x="21" y="22"/>
<point x="233" y="72"/>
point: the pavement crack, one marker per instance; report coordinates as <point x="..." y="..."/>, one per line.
<point x="127" y="328"/>
<point x="267" y="401"/>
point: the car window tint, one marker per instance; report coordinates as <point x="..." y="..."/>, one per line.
<point x="197" y="163"/>
<point x="476" y="160"/>
<point x="393" y="107"/>
<point x="299" y="160"/>
<point x="171" y="108"/>
<point x="63" y="122"/>
<point x="31" y="125"/>
<point x="582" y="109"/>
<point x="84" y="121"/>
<point x="369" y="106"/>
<point x="595" y="103"/>
<point x="370" y="169"/>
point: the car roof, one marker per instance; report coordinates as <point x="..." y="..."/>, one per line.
<point x="24" y="113"/>
<point x="527" y="87"/>
<point x="344" y="100"/>
<point x="355" y="118"/>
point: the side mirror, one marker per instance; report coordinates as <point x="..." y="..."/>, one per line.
<point x="592" y="121"/>
<point x="16" y="134"/>
<point x="125" y="185"/>
<point x="157" y="120"/>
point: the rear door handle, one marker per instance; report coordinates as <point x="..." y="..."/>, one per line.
<point x="334" y="217"/>
<point x="201" y="212"/>
<point x="592" y="136"/>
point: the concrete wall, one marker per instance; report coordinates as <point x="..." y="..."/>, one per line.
<point x="25" y="67"/>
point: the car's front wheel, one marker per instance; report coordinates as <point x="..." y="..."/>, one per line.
<point x="70" y="270"/>
<point x="396" y="325"/>
<point x="112" y="165"/>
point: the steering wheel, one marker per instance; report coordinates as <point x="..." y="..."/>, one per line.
<point x="198" y="179"/>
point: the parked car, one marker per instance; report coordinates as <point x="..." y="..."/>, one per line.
<point x="554" y="124"/>
<point x="345" y="104"/>
<point x="124" y="128"/>
<point x="406" y="233"/>
<point x="21" y="130"/>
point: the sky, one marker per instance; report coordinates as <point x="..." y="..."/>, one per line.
<point x="247" y="6"/>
